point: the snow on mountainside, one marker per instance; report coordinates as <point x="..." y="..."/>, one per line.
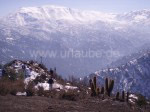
<point x="136" y="16"/>
<point x="60" y="29"/>
<point x="37" y="73"/>
<point x="47" y="13"/>
<point x="133" y="76"/>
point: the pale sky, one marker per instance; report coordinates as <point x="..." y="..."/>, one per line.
<point x="114" y="6"/>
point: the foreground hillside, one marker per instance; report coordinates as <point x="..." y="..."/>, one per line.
<point x="24" y="87"/>
<point x="44" y="104"/>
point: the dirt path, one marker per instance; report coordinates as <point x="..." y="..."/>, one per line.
<point x="44" y="104"/>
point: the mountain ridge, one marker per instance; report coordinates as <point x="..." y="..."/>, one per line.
<point x="23" y="32"/>
<point x="132" y="76"/>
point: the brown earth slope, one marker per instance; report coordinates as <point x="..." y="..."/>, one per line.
<point x="43" y="104"/>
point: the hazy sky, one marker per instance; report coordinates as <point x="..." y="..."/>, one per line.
<point x="118" y="6"/>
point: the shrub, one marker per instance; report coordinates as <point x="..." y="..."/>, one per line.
<point x="9" y="64"/>
<point x="21" y="74"/>
<point x="10" y="74"/>
<point x="43" y="77"/>
<point x="40" y="91"/>
<point x="30" y="90"/>
<point x="82" y="94"/>
<point x="31" y="62"/>
<point x="42" y="66"/>
<point x="70" y="95"/>
<point x="141" y="101"/>
<point x="38" y="79"/>
<point x="13" y="91"/>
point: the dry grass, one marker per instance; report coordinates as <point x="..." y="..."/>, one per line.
<point x="70" y="95"/>
<point x="40" y="91"/>
<point x="11" y="87"/>
<point x="30" y="90"/>
<point x="43" y="104"/>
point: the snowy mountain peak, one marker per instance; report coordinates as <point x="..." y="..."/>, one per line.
<point x="55" y="7"/>
<point x="135" y="16"/>
<point x="57" y="28"/>
<point x="54" y="13"/>
<point x="49" y="8"/>
<point x="49" y="13"/>
<point x="144" y="11"/>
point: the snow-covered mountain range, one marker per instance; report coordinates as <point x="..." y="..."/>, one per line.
<point x="132" y="76"/>
<point x="59" y="29"/>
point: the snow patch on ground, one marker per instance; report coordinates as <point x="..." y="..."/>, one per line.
<point x="133" y="96"/>
<point x="71" y="87"/>
<point x="33" y="75"/>
<point x="55" y="86"/>
<point x="21" y="94"/>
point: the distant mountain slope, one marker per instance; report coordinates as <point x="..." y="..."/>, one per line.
<point x="60" y="29"/>
<point x="133" y="76"/>
<point x="125" y="59"/>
